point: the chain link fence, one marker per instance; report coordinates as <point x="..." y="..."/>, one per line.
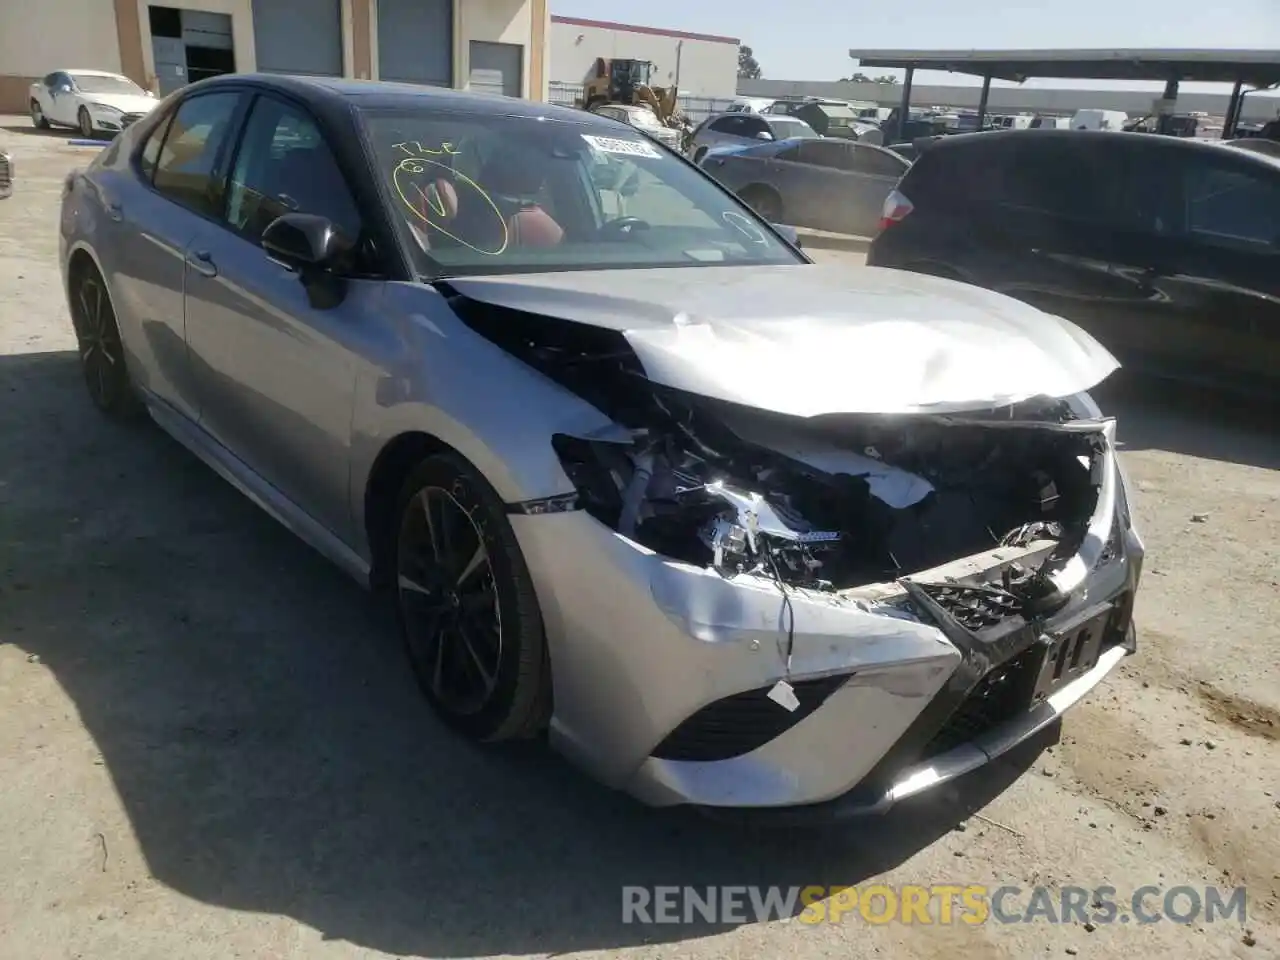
<point x="696" y="109"/>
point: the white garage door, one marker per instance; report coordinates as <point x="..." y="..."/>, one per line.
<point x="415" y="41"/>
<point x="298" y="36"/>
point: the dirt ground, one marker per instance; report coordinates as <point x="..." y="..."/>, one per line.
<point x="210" y="746"/>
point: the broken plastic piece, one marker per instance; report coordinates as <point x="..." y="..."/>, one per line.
<point x="784" y="695"/>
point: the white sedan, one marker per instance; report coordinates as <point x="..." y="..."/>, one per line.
<point x="88" y="100"/>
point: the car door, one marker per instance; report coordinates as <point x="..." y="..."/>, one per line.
<point x="153" y="211"/>
<point x="813" y="182"/>
<point x="1216" y="264"/>
<point x="276" y="369"/>
<point x="63" y="103"/>
<point x="871" y="173"/>
<point x="1060" y="232"/>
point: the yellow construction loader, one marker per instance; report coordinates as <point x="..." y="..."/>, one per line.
<point x="628" y="82"/>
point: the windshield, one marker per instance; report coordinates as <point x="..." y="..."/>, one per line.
<point x="89" y="83"/>
<point x="789" y="129"/>
<point x="645" y="118"/>
<point x="487" y="193"/>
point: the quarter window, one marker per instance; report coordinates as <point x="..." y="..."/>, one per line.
<point x="185" y="170"/>
<point x="284" y="166"/>
<point x="1232" y="207"/>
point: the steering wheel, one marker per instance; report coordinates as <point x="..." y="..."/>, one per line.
<point x="622" y="227"/>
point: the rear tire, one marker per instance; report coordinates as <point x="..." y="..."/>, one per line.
<point x="102" y="358"/>
<point x="764" y="201"/>
<point x="466" y="607"/>
<point x="698" y="155"/>
<point x="38" y="119"/>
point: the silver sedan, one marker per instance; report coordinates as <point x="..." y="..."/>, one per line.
<point x="827" y="184"/>
<point x="729" y="528"/>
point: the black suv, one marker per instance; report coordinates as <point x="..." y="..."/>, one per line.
<point x="1166" y="250"/>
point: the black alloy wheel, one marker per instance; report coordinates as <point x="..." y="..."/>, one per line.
<point x="101" y="352"/>
<point x="468" y="613"/>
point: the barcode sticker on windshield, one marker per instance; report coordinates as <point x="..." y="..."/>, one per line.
<point x="625" y="148"/>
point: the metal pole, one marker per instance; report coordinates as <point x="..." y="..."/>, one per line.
<point x="1233" y="111"/>
<point x="982" y="101"/>
<point x="904" y="109"/>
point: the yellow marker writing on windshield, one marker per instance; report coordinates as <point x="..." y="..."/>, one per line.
<point x="404" y="177"/>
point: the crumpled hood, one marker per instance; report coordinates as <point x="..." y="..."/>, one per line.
<point x="811" y="339"/>
<point x="126" y="102"/>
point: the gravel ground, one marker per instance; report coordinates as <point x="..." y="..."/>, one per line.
<point x="210" y="747"/>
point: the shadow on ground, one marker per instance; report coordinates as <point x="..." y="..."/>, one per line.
<point x="1193" y="420"/>
<point x="268" y="745"/>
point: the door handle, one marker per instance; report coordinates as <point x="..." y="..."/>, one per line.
<point x="114" y="211"/>
<point x="202" y="263"/>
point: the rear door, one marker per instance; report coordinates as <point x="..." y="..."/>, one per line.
<point x="1061" y="233"/>
<point x="155" y="211"/>
<point x="1215" y="261"/>
<point x="820" y="188"/>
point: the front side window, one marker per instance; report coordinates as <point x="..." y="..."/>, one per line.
<point x="485" y="193"/>
<point x="284" y="166"/>
<point x="185" y="168"/>
<point x="1233" y="207"/>
<point x="879" y="163"/>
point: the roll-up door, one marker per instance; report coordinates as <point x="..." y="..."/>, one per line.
<point x="415" y="41"/>
<point x="298" y="36"/>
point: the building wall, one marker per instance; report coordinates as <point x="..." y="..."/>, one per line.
<point x="708" y="66"/>
<point x="39" y="37"/>
<point x="1010" y="99"/>
<point x="499" y="21"/>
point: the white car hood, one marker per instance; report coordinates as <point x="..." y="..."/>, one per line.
<point x="809" y="339"/>
<point x="125" y="102"/>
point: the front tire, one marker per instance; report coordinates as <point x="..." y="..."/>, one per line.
<point x="102" y="359"/>
<point x="38" y="119"/>
<point x="86" y="124"/>
<point x="466" y="607"/>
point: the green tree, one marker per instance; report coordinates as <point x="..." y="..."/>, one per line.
<point x="748" y="67"/>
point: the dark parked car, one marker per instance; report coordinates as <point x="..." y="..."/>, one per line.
<point x="6" y="175"/>
<point x="1167" y="250"/>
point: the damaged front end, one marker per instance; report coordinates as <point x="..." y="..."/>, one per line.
<point x="875" y="603"/>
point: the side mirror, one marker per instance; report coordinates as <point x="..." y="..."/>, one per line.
<point x="63" y="88"/>
<point x="764" y="135"/>
<point x="309" y="245"/>
<point x="304" y="241"/>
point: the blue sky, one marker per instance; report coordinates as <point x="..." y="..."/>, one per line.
<point x="810" y="39"/>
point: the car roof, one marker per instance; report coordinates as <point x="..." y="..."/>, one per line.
<point x="1156" y="141"/>
<point x="92" y="73"/>
<point x="330" y="92"/>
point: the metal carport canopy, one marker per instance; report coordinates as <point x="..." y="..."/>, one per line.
<point x="1259" y="68"/>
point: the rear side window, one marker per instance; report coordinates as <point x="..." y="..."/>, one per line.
<point x="185" y="169"/>
<point x="1232" y="207"/>
<point x="955" y="177"/>
<point x="1067" y="178"/>
<point x="877" y="163"/>
<point x="150" y="154"/>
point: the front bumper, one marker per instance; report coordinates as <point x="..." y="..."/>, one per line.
<point x="661" y="670"/>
